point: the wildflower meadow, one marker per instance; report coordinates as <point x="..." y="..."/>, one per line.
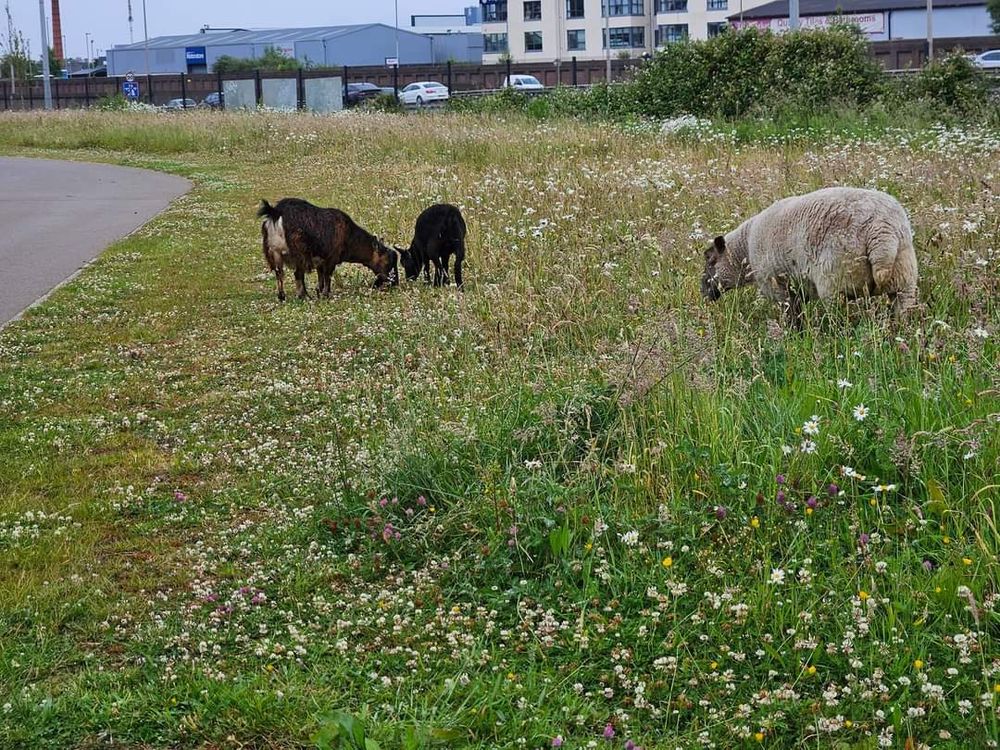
<point x="573" y="505"/>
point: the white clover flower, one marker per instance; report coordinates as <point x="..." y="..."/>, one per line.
<point x="629" y="538"/>
<point x="777" y="576"/>
<point x="811" y="426"/>
<point x="860" y="412"/>
<point x="842" y="383"/>
<point x="980" y="333"/>
<point x="808" y="446"/>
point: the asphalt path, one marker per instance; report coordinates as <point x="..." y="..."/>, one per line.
<point x="56" y="216"/>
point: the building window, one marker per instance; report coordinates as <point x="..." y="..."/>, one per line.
<point x="672" y="6"/>
<point x="718" y="4"/>
<point x="715" y="28"/>
<point x="574" y="8"/>
<point x="622" y="8"/>
<point x="494" y="11"/>
<point x="532" y="41"/>
<point x="494" y="44"/>
<point x="533" y="11"/>
<point x="626" y="37"/>
<point x="576" y="40"/>
<point x="671" y="32"/>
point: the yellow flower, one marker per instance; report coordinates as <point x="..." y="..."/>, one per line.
<point x="588" y="546"/>
<point x="848" y="723"/>
<point x="937" y="589"/>
<point x="755" y="522"/>
<point x="967" y="560"/>
<point x="811" y="670"/>
<point x="432" y="509"/>
<point x="918" y="664"/>
<point x="862" y="595"/>
<point x="809" y="511"/>
<point x="714" y="665"/>
<point x="996" y="688"/>
<point x="759" y="736"/>
<point x="511" y="676"/>
<point x="667" y="562"/>
<point x="946" y="540"/>
<point x="873" y="502"/>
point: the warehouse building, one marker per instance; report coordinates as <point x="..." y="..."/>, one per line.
<point x="881" y="20"/>
<point x="330" y="46"/>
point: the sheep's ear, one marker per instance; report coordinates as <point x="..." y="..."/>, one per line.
<point x="720" y="244"/>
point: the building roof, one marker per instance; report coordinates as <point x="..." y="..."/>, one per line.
<point x="258" y="36"/>
<point x="779" y="8"/>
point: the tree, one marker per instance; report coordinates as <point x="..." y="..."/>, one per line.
<point x="55" y="64"/>
<point x="272" y="60"/>
<point x="15" y="60"/>
<point x="993" y="6"/>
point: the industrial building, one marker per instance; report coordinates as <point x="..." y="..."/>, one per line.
<point x="881" y="20"/>
<point x="557" y="30"/>
<point x="329" y="46"/>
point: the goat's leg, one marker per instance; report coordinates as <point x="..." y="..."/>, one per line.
<point x="439" y="273"/>
<point x="279" y="275"/>
<point x="300" y="283"/>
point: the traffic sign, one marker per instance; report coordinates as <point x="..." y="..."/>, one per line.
<point x="130" y="76"/>
<point x="130" y="89"/>
<point x="391" y="62"/>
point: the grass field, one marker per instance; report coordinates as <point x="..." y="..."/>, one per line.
<point x="573" y="504"/>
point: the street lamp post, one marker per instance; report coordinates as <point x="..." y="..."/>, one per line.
<point x="396" y="31"/>
<point x="930" y="30"/>
<point x="47" y="85"/>
<point x="86" y="46"/>
<point x="145" y="33"/>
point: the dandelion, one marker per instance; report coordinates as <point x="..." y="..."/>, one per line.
<point x="811" y="670"/>
<point x="863" y="595"/>
<point x="759" y="736"/>
<point x="755" y="522"/>
<point x="967" y="561"/>
<point x="667" y="562"/>
<point x="860" y="412"/>
<point x="918" y="664"/>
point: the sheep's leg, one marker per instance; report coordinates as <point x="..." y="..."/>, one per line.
<point x="279" y="275"/>
<point x="300" y="283"/>
<point x="792" y="307"/>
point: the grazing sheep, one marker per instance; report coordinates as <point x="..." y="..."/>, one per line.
<point x="308" y="237"/>
<point x="439" y="234"/>
<point x="835" y="241"/>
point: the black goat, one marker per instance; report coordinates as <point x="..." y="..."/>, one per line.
<point x="439" y="234"/>
<point x="308" y="237"/>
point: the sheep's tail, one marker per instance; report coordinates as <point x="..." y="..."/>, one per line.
<point x="267" y="210"/>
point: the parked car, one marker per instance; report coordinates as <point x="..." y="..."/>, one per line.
<point x="989" y="59"/>
<point x="423" y="92"/>
<point x="180" y="104"/>
<point x="358" y="93"/>
<point x="212" y="101"/>
<point x="523" y="83"/>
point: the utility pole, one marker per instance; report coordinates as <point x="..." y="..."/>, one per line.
<point x="145" y="33"/>
<point x="397" y="31"/>
<point x="793" y="14"/>
<point x="47" y="85"/>
<point x="86" y="46"/>
<point x="930" y="30"/>
<point x="607" y="40"/>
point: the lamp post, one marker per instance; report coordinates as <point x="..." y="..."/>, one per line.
<point x="145" y="33"/>
<point x="86" y="46"/>
<point x="47" y="85"/>
<point x="930" y="30"/>
<point x="396" y="30"/>
<point x="793" y="14"/>
<point x="607" y="40"/>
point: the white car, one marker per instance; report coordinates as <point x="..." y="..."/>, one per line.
<point x="423" y="92"/>
<point x="989" y="59"/>
<point x="523" y="83"/>
<point x="180" y="104"/>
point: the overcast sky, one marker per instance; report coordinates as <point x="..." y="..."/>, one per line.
<point x="107" y="20"/>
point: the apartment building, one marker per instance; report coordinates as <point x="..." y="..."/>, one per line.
<point x="554" y="30"/>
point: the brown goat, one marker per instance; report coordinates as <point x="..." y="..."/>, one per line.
<point x="307" y="237"/>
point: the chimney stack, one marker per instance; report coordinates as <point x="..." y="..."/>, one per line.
<point x="57" y="32"/>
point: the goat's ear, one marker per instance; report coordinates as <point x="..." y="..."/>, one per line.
<point x="720" y="244"/>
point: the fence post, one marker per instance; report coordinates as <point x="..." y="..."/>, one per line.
<point x="395" y="78"/>
<point x="86" y="91"/>
<point x="258" y="91"/>
<point x="55" y="92"/>
<point x="574" y="70"/>
<point x="6" y="102"/>
<point x="300" y="90"/>
<point x="31" y="95"/>
<point x="149" y="87"/>
<point x="222" y="94"/>
<point x="184" y="91"/>
<point x="508" y="70"/>
<point x="449" y="76"/>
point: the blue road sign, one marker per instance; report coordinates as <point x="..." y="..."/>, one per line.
<point x="131" y="90"/>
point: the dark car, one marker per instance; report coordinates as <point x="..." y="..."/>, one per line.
<point x="360" y="92"/>
<point x="212" y="101"/>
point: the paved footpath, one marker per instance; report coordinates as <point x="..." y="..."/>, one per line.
<point x="55" y="216"/>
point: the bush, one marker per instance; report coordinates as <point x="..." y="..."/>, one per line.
<point x="747" y="71"/>
<point x="112" y="103"/>
<point x="382" y="103"/>
<point x="952" y="84"/>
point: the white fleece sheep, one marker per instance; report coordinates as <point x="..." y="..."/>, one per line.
<point x="835" y="241"/>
